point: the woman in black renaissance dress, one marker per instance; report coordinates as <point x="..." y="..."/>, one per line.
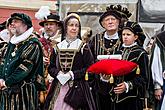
<point x="68" y="64"/>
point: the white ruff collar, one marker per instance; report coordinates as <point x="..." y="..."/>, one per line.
<point x="109" y="37"/>
<point x="72" y="45"/>
<point x="22" y="37"/>
<point x="135" y="43"/>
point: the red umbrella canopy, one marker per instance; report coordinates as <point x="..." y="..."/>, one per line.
<point x="112" y="66"/>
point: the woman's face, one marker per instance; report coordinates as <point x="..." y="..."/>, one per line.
<point x="72" y="28"/>
<point x="128" y="37"/>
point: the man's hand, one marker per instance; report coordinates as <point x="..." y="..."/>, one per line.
<point x="105" y="77"/>
<point x="158" y="93"/>
<point x="46" y="60"/>
<point x="120" y="88"/>
<point x="2" y="83"/>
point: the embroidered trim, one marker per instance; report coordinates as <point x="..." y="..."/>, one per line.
<point x="66" y="57"/>
<point x="27" y="51"/>
<point x="28" y="61"/>
<point x="102" y="45"/>
<point x="23" y="67"/>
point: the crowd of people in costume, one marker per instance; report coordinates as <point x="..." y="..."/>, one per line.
<point x="61" y="70"/>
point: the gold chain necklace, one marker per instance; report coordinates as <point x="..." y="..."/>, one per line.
<point x="108" y="50"/>
<point x="14" y="51"/>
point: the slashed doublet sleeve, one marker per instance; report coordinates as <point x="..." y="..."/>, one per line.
<point x="29" y="58"/>
<point x="144" y="69"/>
<point x="53" y="67"/>
<point x="87" y="59"/>
<point x="156" y="68"/>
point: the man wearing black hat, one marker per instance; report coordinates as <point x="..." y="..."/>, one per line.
<point x="22" y="74"/>
<point x="106" y="43"/>
<point x="49" y="38"/>
<point x="51" y="26"/>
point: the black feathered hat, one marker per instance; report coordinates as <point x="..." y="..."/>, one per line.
<point x="123" y="11"/>
<point x="125" y="15"/>
<point x="51" y="18"/>
<point x="111" y="10"/>
<point x="137" y="30"/>
<point x="23" y="17"/>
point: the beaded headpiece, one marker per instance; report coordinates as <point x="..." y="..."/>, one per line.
<point x="123" y="11"/>
<point x="111" y="10"/>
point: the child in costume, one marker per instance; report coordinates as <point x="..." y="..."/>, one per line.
<point x="132" y="87"/>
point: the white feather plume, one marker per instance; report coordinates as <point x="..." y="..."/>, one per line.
<point x="42" y="13"/>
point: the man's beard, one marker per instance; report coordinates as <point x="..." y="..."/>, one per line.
<point x="13" y="31"/>
<point x="50" y="33"/>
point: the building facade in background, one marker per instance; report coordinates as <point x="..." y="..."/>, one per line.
<point x="30" y="7"/>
